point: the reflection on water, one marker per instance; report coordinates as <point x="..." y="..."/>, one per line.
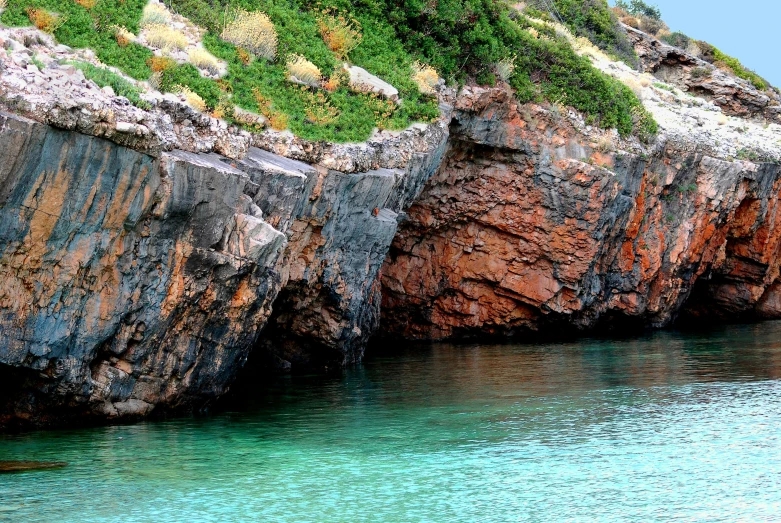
<point x="668" y="427"/>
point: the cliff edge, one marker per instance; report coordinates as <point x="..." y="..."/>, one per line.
<point x="148" y="249"/>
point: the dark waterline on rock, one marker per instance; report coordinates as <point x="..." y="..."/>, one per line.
<point x="668" y="426"/>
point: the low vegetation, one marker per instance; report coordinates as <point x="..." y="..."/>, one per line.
<point x="91" y="28"/>
<point x="425" y="77"/>
<point x="203" y="59"/>
<point x="303" y="70"/>
<point x="155" y="14"/>
<point x="253" y="31"/>
<point x="44" y="20"/>
<point x="341" y="34"/>
<point x="164" y="37"/>
<point x="122" y="35"/>
<point x="591" y="19"/>
<point x="637" y="13"/>
<point x="191" y="97"/>
<point x="724" y="61"/>
<point x="264" y="43"/>
<point x="103" y="77"/>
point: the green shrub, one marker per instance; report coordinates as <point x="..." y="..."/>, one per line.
<point x="187" y="75"/>
<point x="677" y="39"/>
<point x="461" y="38"/>
<point x="734" y="65"/>
<point x="563" y="76"/>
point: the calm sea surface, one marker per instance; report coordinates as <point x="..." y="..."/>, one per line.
<point x="669" y="427"/>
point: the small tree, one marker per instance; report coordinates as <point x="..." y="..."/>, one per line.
<point x="640" y="8"/>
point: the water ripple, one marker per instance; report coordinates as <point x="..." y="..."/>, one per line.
<point x="671" y="427"/>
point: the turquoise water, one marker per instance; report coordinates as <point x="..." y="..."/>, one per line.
<point x="670" y="427"/>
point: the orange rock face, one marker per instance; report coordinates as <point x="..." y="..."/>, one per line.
<point x="527" y="227"/>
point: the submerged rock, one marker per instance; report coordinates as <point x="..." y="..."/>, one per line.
<point x="24" y="466"/>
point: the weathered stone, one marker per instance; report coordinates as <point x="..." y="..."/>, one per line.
<point x="517" y="232"/>
<point x="126" y="281"/>
<point x="734" y="95"/>
<point x="363" y="81"/>
<point x="141" y="251"/>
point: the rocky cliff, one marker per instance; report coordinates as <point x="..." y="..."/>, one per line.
<point x="146" y="254"/>
<point x="127" y="280"/>
<point x="143" y="252"/>
<point x="131" y="281"/>
<point x="530" y="225"/>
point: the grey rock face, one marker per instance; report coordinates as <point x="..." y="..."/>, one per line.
<point x="126" y="281"/>
<point x="339" y="228"/>
<point x="132" y="282"/>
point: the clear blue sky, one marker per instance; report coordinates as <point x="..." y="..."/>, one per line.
<point x="746" y="29"/>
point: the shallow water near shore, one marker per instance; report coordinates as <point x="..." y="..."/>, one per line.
<point x="667" y="427"/>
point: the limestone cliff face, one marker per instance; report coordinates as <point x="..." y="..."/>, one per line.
<point x="527" y="226"/>
<point x="130" y="282"/>
<point x="140" y="269"/>
<point x="125" y="281"/>
<point x="339" y="238"/>
<point x="340" y="216"/>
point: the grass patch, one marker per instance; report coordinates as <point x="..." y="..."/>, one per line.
<point x="91" y="28"/>
<point x="164" y="37"/>
<point x="104" y="77"/>
<point x="338" y="116"/>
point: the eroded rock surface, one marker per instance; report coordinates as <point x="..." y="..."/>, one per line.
<point x="130" y="282"/>
<point x="146" y="254"/>
<point x="528" y="226"/>
<point x="339" y="233"/>
<point x="735" y="96"/>
<point x="125" y="281"/>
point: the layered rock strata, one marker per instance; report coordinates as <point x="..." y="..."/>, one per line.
<point x="130" y="281"/>
<point x="126" y="281"/>
<point x="146" y="254"/>
<point x="144" y="250"/>
<point x="529" y="225"/>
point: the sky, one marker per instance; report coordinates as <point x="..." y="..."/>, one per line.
<point x="746" y="29"/>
